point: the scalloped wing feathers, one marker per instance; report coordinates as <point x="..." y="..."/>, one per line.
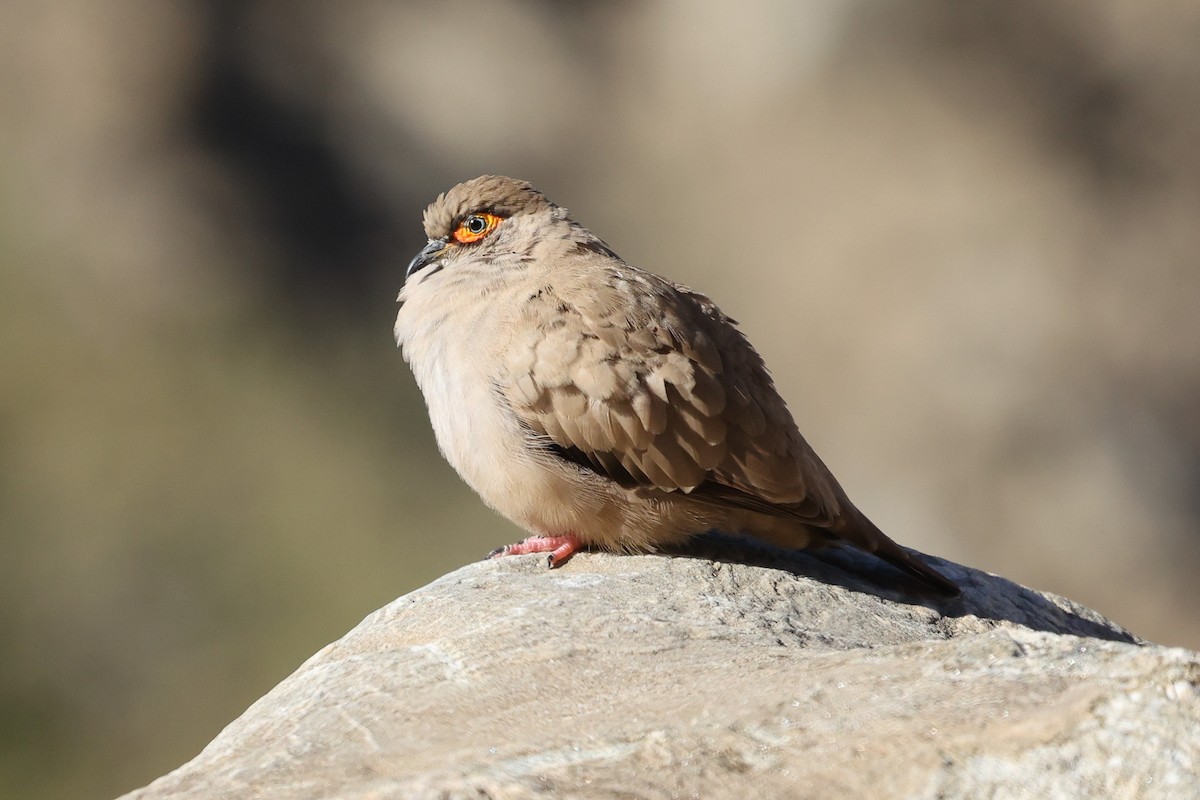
<point x="655" y="387"/>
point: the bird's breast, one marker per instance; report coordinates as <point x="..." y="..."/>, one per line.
<point x="453" y="351"/>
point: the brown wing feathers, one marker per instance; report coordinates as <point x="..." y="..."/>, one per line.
<point x="655" y="405"/>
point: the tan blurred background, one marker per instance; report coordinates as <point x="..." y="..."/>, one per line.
<point x="966" y="236"/>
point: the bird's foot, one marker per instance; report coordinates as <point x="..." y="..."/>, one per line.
<point x="560" y="548"/>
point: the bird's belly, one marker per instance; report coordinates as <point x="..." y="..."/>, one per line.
<point x="486" y="445"/>
<point x="472" y="430"/>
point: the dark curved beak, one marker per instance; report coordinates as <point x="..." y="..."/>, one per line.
<point x="426" y="257"/>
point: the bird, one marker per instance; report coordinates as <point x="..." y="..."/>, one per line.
<point x="598" y="405"/>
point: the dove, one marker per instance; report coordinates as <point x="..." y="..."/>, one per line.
<point x="598" y="405"/>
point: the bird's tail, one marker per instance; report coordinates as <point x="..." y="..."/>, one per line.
<point x="872" y="539"/>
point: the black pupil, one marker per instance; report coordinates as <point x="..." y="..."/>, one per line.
<point x="476" y="224"/>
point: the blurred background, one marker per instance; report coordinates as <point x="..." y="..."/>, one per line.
<point x="966" y="236"/>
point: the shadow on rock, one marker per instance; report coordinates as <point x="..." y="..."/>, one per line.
<point x="984" y="595"/>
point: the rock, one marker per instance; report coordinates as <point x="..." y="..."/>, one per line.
<point x="657" y="676"/>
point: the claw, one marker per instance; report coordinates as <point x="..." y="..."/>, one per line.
<point x="560" y="548"/>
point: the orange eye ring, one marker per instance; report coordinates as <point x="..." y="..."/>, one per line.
<point x="475" y="227"/>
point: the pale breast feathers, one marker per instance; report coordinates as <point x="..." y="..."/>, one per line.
<point x="648" y="400"/>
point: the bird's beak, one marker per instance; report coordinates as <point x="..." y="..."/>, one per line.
<point x="426" y="257"/>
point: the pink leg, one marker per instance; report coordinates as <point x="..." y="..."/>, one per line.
<point x="560" y="548"/>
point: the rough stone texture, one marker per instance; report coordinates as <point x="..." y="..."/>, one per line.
<point x="654" y="676"/>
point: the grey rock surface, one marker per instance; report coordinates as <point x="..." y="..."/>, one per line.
<point x="657" y="676"/>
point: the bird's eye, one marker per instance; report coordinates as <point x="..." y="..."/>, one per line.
<point x="475" y="227"/>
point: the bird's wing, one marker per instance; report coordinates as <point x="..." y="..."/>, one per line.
<point x="648" y="384"/>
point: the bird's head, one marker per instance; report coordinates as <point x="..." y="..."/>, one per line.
<point x="487" y="217"/>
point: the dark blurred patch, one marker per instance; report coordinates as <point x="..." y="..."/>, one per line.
<point x="37" y="730"/>
<point x="578" y="21"/>
<point x="1041" y="54"/>
<point x="327" y="225"/>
